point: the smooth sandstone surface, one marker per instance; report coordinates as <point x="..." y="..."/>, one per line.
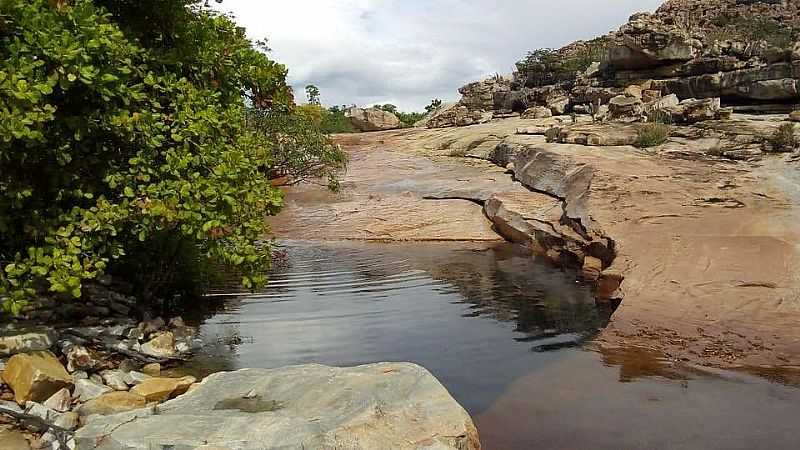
<point x="386" y="405"/>
<point x="706" y="245"/>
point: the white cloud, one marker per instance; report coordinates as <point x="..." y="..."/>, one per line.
<point x="407" y="52"/>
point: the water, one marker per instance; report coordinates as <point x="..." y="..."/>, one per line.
<point x="505" y="333"/>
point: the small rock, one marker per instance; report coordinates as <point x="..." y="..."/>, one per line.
<point x="794" y="116"/>
<point x="182" y="347"/>
<point x="60" y="401"/>
<point x="116" y="379"/>
<point x="35" y="376"/>
<point x="152" y="326"/>
<point x="160" y="389"/>
<point x="68" y="420"/>
<point x="634" y="91"/>
<point x="163" y="345"/>
<point x="138" y="377"/>
<point x="135" y="334"/>
<point x="86" y="390"/>
<point x="13" y="342"/>
<point x="9" y="405"/>
<point x="128" y="365"/>
<point x="177" y="322"/>
<point x="40" y="411"/>
<point x="153" y="369"/>
<point x="112" y="403"/>
<point x="80" y="358"/>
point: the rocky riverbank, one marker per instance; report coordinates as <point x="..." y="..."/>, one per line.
<point x="698" y="248"/>
<point x="105" y="381"/>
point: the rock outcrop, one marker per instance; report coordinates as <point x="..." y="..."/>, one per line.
<point x="387" y="405"/>
<point x="718" y="55"/>
<point x="372" y="119"/>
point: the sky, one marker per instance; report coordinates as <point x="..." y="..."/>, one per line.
<point x="407" y="52"/>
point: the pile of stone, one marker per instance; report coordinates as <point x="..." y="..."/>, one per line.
<point x="56" y="380"/>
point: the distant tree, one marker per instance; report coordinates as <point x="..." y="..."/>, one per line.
<point x="388" y="108"/>
<point x="435" y="104"/>
<point x="313" y="94"/>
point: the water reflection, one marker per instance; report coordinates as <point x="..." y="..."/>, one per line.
<point x="505" y="334"/>
<point x="476" y="316"/>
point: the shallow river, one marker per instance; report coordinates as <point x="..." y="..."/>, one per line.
<point x="505" y="333"/>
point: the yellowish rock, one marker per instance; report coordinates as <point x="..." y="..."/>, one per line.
<point x="153" y="369"/>
<point x="113" y="403"/>
<point x="11" y="439"/>
<point x="161" y="389"/>
<point x="35" y="376"/>
<point x="591" y="268"/>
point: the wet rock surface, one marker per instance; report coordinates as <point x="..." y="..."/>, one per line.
<point x="387" y="405"/>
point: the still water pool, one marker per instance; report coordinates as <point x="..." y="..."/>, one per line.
<point x="507" y="335"/>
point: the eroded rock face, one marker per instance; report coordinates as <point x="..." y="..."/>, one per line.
<point x="386" y="405"/>
<point x="372" y="119"/>
<point x="35" y="376"/>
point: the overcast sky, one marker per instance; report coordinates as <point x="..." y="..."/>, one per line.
<point x="407" y="52"/>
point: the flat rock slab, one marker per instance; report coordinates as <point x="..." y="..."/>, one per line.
<point x="385" y="405"/>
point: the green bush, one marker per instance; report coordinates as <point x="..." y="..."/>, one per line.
<point x="123" y="128"/>
<point x="652" y="134"/>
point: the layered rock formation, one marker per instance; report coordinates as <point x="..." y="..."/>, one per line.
<point x="744" y="53"/>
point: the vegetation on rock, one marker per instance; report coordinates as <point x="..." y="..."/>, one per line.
<point x="783" y="139"/>
<point x="133" y="131"/>
<point x="652" y="134"/>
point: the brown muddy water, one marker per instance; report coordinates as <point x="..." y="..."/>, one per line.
<point x="508" y="335"/>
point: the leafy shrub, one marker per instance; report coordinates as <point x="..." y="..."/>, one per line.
<point x="652" y="134"/>
<point x="124" y="128"/>
<point x="782" y="140"/>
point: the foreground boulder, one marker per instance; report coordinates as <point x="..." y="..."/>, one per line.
<point x="35" y="376"/>
<point x="386" y="405"/>
<point x="372" y="119"/>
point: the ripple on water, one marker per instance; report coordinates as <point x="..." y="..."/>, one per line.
<point x="501" y="330"/>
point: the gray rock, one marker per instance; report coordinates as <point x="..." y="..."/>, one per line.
<point x="26" y="341"/>
<point x="116" y="379"/>
<point x="387" y="405"/>
<point x="137" y="377"/>
<point x="86" y="390"/>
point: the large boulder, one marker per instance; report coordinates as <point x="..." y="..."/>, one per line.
<point x="386" y="405"/>
<point x="481" y="94"/>
<point x="372" y="119"/>
<point x="646" y="41"/>
<point x="35" y="376"/>
<point x="457" y="116"/>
